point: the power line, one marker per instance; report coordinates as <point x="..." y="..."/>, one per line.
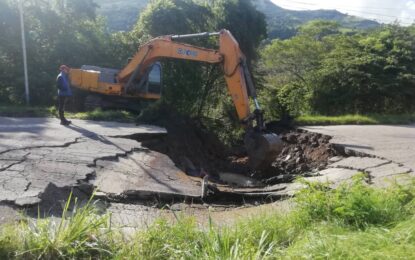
<point x="385" y="16"/>
<point x="351" y="10"/>
<point x="349" y="6"/>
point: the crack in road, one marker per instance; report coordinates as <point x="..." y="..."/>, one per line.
<point x="15" y="163"/>
<point x="27" y="181"/>
<point x="42" y="146"/>
<point x="118" y="155"/>
<point x="28" y="185"/>
<point x="360" y="169"/>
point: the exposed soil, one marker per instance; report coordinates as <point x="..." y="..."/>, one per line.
<point x="304" y="152"/>
<point x="198" y="152"/>
<point x="191" y="146"/>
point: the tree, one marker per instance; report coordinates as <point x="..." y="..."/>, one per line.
<point x="53" y="37"/>
<point x="247" y="24"/>
<point x="324" y="71"/>
<point x="318" y="29"/>
<point x="190" y="87"/>
<point x="290" y="66"/>
<point x="10" y="52"/>
<point x="371" y="73"/>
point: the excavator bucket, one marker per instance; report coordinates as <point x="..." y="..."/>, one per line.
<point x="262" y="149"/>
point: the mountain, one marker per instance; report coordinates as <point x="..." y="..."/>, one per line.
<point x="282" y="23"/>
<point x="121" y="14"/>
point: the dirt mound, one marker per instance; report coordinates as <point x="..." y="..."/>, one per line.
<point x="303" y="153"/>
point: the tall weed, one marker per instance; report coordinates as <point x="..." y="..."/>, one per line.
<point x="354" y="221"/>
<point x="355" y="204"/>
<point x="78" y="233"/>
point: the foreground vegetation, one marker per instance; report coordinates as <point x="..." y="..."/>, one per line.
<point x="324" y="70"/>
<point x="372" y="119"/>
<point x="130" y="117"/>
<point x="354" y="221"/>
<point x="104" y="115"/>
<point x="97" y="115"/>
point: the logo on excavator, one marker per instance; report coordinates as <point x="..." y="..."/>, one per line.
<point x="187" y="52"/>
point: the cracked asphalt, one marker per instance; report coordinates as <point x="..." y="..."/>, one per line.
<point x="38" y="152"/>
<point x="40" y="158"/>
<point x="393" y="142"/>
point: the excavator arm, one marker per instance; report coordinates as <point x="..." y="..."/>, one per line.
<point x="229" y="55"/>
<point x="262" y="147"/>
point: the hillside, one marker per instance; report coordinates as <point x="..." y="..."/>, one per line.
<point x="282" y="23"/>
<point x="121" y="14"/>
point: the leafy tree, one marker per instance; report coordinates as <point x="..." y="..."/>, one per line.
<point x="290" y="65"/>
<point x="10" y="52"/>
<point x="199" y="89"/>
<point x="53" y="37"/>
<point x="369" y="73"/>
<point x="82" y="9"/>
<point x="322" y="70"/>
<point x="247" y="24"/>
<point x="182" y="79"/>
<point x="318" y="29"/>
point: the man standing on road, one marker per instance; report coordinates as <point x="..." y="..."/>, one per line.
<point x="64" y="92"/>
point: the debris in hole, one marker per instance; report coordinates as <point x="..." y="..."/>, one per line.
<point x="303" y="152"/>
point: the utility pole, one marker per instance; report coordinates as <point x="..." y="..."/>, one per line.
<point x="26" y="79"/>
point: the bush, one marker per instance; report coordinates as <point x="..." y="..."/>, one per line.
<point x="355" y="204"/>
<point x="354" y="221"/>
<point x="334" y="73"/>
<point x="78" y="234"/>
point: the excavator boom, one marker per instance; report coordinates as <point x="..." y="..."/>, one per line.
<point x="262" y="147"/>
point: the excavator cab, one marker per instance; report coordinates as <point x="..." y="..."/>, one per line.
<point x="104" y="81"/>
<point x="152" y="83"/>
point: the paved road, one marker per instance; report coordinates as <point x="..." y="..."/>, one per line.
<point x="396" y="143"/>
<point x="41" y="161"/>
<point x="18" y="133"/>
<point x="39" y="158"/>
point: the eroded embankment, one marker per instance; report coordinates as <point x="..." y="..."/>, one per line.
<point x="197" y="152"/>
<point x="148" y="163"/>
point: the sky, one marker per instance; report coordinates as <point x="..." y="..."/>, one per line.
<point x="385" y="11"/>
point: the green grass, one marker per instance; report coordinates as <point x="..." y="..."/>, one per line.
<point x="97" y="115"/>
<point x="78" y="234"/>
<point x="355" y="205"/>
<point x="355" y="119"/>
<point x="106" y="115"/>
<point x="328" y="241"/>
<point x="354" y="221"/>
<point x="128" y="117"/>
<point x="26" y="111"/>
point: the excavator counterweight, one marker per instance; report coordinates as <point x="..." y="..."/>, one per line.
<point x="141" y="79"/>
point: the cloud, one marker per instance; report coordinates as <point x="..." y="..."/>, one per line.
<point x="411" y="5"/>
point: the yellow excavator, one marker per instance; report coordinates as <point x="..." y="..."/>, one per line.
<point x="141" y="79"/>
